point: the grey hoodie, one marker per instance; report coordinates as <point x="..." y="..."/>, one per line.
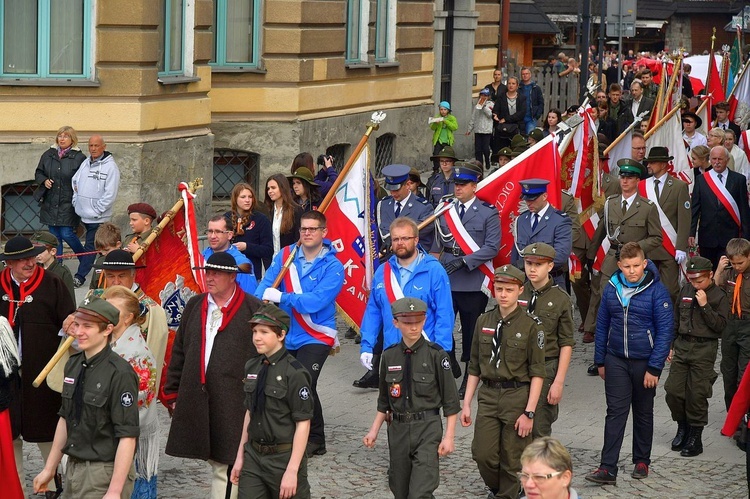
<point x="95" y="187"/>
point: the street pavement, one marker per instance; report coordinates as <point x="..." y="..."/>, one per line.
<point x="350" y="470"/>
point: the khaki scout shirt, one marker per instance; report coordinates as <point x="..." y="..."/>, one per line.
<point x="110" y="405"/>
<point x="521" y="349"/>
<point x="136" y="238"/>
<point x="704" y="322"/>
<point x="554" y="309"/>
<point x="730" y="277"/>
<point x="289" y="398"/>
<point x="432" y="381"/>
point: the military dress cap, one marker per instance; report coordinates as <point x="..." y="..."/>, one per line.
<point x="395" y="176"/>
<point x="46" y="238"/>
<point x="118" y="260"/>
<point x="539" y="252"/>
<point x="143" y="209"/>
<point x="271" y="315"/>
<point x="698" y="265"/>
<point x="414" y="176"/>
<point x="518" y="140"/>
<point x="409" y="308"/>
<point x="694" y="117"/>
<point x="18" y="248"/>
<point x="464" y="172"/>
<point x="446" y="152"/>
<point x="98" y="310"/>
<point x="533" y="188"/>
<point x="221" y="261"/>
<point x="658" y="153"/>
<point x="506" y="151"/>
<point x="303" y="173"/>
<point x="536" y="134"/>
<point x="509" y="273"/>
<point x="631" y="168"/>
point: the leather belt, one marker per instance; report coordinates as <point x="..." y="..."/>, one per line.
<point x="695" y="339"/>
<point x="547" y="359"/>
<point x="406" y="417"/>
<point x="504" y="384"/>
<point x="456" y="251"/>
<point x="266" y="449"/>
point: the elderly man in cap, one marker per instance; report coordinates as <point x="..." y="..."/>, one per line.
<point x="468" y="239"/>
<point x="204" y="387"/>
<point x="440" y="184"/>
<point x="142" y="216"/>
<point x="672" y="201"/>
<point x="401" y="203"/>
<point x="36" y="303"/>
<point x="543" y="223"/>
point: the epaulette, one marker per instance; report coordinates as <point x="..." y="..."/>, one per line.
<point x="386" y="198"/>
<point x="648" y="201"/>
<point x="488" y="205"/>
<point x="296" y="364"/>
<point x="422" y="200"/>
<point x="560" y="212"/>
<point x="433" y="345"/>
<point x="392" y="346"/>
<point x="614" y="196"/>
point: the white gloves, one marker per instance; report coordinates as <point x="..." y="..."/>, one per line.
<point x="366" y="360"/>
<point x="680" y="257"/>
<point x="272" y="295"/>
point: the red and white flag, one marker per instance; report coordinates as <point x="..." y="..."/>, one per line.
<point x="351" y="229"/>
<point x="744" y="143"/>
<point x="669" y="135"/>
<point x="503" y="188"/>
<point x="739" y="101"/>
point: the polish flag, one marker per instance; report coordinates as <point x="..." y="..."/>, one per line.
<point x="739" y="101"/>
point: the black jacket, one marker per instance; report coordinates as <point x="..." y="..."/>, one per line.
<point x="535" y="101"/>
<point x="712" y="221"/>
<point x="501" y="109"/>
<point x="57" y="207"/>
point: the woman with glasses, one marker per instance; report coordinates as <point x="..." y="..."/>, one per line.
<point x="252" y="229"/>
<point x="285" y="213"/>
<point x="547" y="470"/>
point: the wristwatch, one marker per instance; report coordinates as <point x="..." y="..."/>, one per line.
<point x="529" y="414"/>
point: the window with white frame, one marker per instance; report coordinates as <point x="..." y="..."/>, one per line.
<point x="176" y="37"/>
<point x="236" y="33"/>
<point x="385" y="30"/>
<point x="46" y="39"/>
<point x="357" y="19"/>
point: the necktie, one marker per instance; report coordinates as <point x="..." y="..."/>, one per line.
<point x="624" y="206"/>
<point x="407" y="373"/>
<point x="656" y="188"/>
<point x="78" y="393"/>
<point x="720" y="178"/>
<point x="736" y="302"/>
<point x="532" y="302"/>
<point x="259" y="401"/>
<point x="535" y="221"/>
<point x="497" y="340"/>
<point x="462" y="211"/>
<point x="398" y="208"/>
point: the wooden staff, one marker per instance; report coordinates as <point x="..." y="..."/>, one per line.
<point x="660" y="93"/>
<point x="661" y="122"/>
<point x="670" y="88"/>
<point x="192" y="187"/>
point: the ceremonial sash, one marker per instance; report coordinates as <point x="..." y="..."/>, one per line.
<point x="468" y="245"/>
<point x="668" y="232"/>
<point x="590" y="226"/>
<point x="393" y="289"/>
<point x="745" y="143"/>
<point x="722" y="194"/>
<point x="324" y="334"/>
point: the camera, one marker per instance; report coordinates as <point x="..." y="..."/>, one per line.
<point x="322" y="159"/>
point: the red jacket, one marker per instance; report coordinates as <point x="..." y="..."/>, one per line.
<point x="739" y="407"/>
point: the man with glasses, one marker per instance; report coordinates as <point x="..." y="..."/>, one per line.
<point x="219" y="235"/>
<point x="690" y="134"/>
<point x="308" y="294"/>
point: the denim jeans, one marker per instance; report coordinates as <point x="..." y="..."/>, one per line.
<point x="67" y="234"/>
<point x="529" y="124"/>
<point x="87" y="261"/>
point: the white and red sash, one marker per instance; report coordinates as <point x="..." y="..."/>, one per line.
<point x="668" y="232"/>
<point x="468" y="245"/>
<point x="590" y="227"/>
<point x="325" y="334"/>
<point x="393" y="289"/>
<point x="722" y="194"/>
<point x="745" y="143"/>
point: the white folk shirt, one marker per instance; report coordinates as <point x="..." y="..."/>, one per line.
<point x="214" y="316"/>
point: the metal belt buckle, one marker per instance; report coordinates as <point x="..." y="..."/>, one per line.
<point x="456" y="251"/>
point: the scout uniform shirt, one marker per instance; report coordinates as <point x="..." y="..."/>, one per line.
<point x="521" y="347"/>
<point x="138" y="239"/>
<point x="552" y="306"/>
<point x="430" y="381"/>
<point x="730" y="279"/>
<point x="108" y="389"/>
<point x="703" y="322"/>
<point x="288" y="398"/>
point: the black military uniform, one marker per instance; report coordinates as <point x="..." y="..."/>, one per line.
<point x="415" y="382"/>
<point x="278" y="396"/>
<point x="691" y="377"/>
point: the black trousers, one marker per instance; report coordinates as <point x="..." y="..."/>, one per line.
<point x="623" y="387"/>
<point x="312" y="357"/>
<point x="482" y="148"/>
<point x="469" y="305"/>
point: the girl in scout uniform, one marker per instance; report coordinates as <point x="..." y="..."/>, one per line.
<point x="98" y="426"/>
<point x="271" y="458"/>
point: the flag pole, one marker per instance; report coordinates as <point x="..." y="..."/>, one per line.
<point x="192" y="188"/>
<point x="658" y="104"/>
<point x="670" y="88"/>
<point x="637" y="120"/>
<point x="661" y="122"/>
<point x="710" y="60"/>
<point x="739" y="78"/>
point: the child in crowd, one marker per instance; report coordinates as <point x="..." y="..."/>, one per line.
<point x="48" y="260"/>
<point x="142" y="216"/>
<point x="415" y="434"/>
<point x="443" y="125"/>
<point x="107" y="238"/>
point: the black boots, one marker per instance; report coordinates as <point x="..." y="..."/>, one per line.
<point x="371" y="379"/>
<point x="693" y="444"/>
<point x="678" y="442"/>
<point x="462" y="390"/>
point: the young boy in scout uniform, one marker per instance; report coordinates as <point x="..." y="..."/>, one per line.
<point x="544" y="299"/>
<point x="142" y="216"/>
<point x="700" y="317"/>
<point x="48" y="260"/>
<point x="98" y="426"/>
<point x="415" y="382"/>
<point x="271" y="458"/>
<point x="507" y="355"/>
<point x="733" y="275"/>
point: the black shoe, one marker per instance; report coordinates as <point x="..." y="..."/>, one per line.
<point x="693" y="444"/>
<point x="78" y="282"/>
<point x="315" y="449"/>
<point x="371" y="379"/>
<point x="640" y="471"/>
<point x="350" y="334"/>
<point x="602" y="477"/>
<point x="678" y="442"/>
<point x="358" y="340"/>
<point x="593" y="370"/>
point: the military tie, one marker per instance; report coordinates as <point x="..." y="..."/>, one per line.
<point x="462" y="212"/>
<point x="408" y="374"/>
<point x="535" y="222"/>
<point x="624" y="207"/>
<point x="497" y="340"/>
<point x="398" y="208"/>
<point x="656" y="188"/>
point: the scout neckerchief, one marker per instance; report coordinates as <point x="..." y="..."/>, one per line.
<point x="228" y="312"/>
<point x="496" y="342"/>
<point x="407" y="373"/>
<point x="25" y="288"/>
<point x="736" y="301"/>
<point x="259" y="399"/>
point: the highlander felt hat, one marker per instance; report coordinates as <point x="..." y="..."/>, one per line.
<point x="221" y="261"/>
<point x="658" y="153"/>
<point x="18" y="248"/>
<point x="445" y="152"/>
<point x="118" y="260"/>
<point x="303" y="173"/>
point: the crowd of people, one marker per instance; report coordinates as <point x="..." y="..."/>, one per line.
<point x="258" y="338"/>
